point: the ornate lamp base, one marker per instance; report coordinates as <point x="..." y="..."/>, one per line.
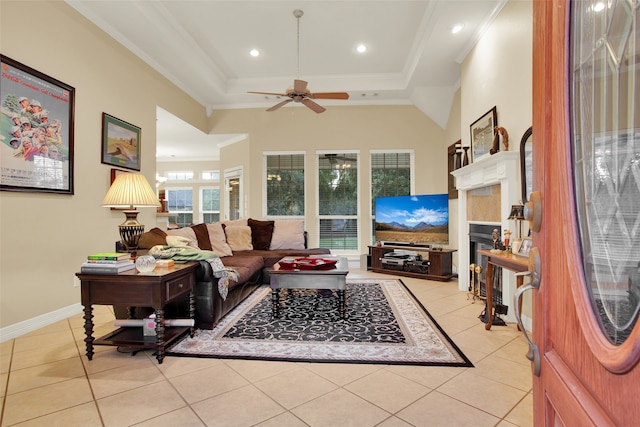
<point x="131" y="230"/>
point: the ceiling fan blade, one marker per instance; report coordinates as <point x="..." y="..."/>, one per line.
<point x="330" y="95"/>
<point x="299" y="86"/>
<point x="280" y="104"/>
<point x="269" y="93"/>
<point x="315" y="107"/>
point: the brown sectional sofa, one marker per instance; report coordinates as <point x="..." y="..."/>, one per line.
<point x="269" y="241"/>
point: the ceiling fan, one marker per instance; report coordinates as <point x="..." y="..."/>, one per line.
<point x="299" y="91"/>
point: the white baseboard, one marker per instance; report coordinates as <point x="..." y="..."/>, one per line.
<point x="35" y="323"/>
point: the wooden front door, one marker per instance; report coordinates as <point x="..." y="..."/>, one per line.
<point x="586" y="167"/>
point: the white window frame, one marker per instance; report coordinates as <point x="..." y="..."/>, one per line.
<point x="169" y="189"/>
<point x="229" y="174"/>
<point x="202" y="211"/>
<point x="357" y="216"/>
<point x="265" y="154"/>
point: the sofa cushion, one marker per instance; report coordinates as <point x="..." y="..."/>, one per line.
<point x="152" y="238"/>
<point x="202" y="236"/>
<point x="218" y="240"/>
<point x="186" y="232"/>
<point x="261" y="232"/>
<point x="239" y="237"/>
<point x="246" y="266"/>
<point x="288" y="234"/>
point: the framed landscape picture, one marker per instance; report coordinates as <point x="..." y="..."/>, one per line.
<point x="36" y="128"/>
<point x="120" y="143"/>
<point x="482" y="132"/>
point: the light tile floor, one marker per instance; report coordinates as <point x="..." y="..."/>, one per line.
<point x="46" y="380"/>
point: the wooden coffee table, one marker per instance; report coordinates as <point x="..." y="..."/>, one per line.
<point x="333" y="279"/>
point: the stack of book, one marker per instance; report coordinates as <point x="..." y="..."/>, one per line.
<point x="108" y="263"/>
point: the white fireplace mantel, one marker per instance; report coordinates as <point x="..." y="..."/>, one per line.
<point x="502" y="168"/>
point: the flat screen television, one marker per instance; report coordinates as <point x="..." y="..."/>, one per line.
<point x="420" y="220"/>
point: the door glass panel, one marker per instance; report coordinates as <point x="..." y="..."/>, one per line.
<point x="605" y="64"/>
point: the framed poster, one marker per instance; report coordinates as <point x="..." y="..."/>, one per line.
<point x="482" y="132"/>
<point x="120" y="143"/>
<point x="36" y="130"/>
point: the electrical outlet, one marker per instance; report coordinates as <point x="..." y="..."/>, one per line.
<point x="76" y="282"/>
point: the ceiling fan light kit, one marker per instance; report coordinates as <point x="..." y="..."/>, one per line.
<point x="299" y="92"/>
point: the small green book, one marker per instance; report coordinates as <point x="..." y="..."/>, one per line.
<point x="110" y="256"/>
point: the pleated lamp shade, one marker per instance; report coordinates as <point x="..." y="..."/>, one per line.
<point x="128" y="191"/>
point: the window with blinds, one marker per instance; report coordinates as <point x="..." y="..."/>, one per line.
<point x="390" y="176"/>
<point x="338" y="200"/>
<point x="285" y="184"/>
<point x="180" y="205"/>
<point x="210" y="204"/>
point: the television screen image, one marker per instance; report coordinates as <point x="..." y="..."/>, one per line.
<point x="416" y="220"/>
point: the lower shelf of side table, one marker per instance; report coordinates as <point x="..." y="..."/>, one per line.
<point x="132" y="337"/>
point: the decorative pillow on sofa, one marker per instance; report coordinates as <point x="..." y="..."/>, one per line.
<point x="288" y="234"/>
<point x="152" y="238"/>
<point x="261" y="232"/>
<point x="202" y="236"/>
<point x="239" y="237"/>
<point x="185" y="232"/>
<point x="218" y="239"/>
<point x="234" y="222"/>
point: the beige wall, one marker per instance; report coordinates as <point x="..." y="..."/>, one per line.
<point x="338" y="128"/>
<point x="45" y="238"/>
<point x="498" y="72"/>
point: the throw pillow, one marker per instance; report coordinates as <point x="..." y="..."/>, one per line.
<point x="218" y="239"/>
<point x="234" y="222"/>
<point x="288" y="234"/>
<point x="261" y="232"/>
<point x="185" y="232"/>
<point x="180" y="242"/>
<point x="239" y="237"/>
<point x="202" y="236"/>
<point x="152" y="238"/>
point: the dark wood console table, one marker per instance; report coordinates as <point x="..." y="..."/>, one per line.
<point x="134" y="289"/>
<point x="440" y="267"/>
<point x="511" y="262"/>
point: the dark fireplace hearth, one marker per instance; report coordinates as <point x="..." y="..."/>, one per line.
<point x="480" y="238"/>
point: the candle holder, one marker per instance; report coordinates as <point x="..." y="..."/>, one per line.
<point x="465" y="159"/>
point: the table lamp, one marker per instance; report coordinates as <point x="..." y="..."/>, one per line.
<point x="128" y="191"/>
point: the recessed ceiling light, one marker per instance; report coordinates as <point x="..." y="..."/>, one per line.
<point x="254" y="52"/>
<point x="457" y="28"/>
<point x="361" y="48"/>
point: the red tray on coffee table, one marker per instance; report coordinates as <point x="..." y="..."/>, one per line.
<point x="308" y="263"/>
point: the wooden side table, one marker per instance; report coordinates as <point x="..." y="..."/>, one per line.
<point x="511" y="262"/>
<point x="134" y="289"/>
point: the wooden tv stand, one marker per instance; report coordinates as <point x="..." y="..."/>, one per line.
<point x="440" y="267"/>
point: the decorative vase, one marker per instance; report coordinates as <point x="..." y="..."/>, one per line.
<point x="145" y="263"/>
<point x="465" y="159"/>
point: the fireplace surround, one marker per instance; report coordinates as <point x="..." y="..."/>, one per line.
<point x="499" y="171"/>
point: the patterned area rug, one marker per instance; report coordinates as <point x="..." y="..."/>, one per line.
<point x="384" y="324"/>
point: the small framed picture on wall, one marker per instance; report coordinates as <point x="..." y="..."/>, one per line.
<point x="482" y="133"/>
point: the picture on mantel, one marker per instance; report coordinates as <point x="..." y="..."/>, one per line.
<point x="482" y="133"/>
